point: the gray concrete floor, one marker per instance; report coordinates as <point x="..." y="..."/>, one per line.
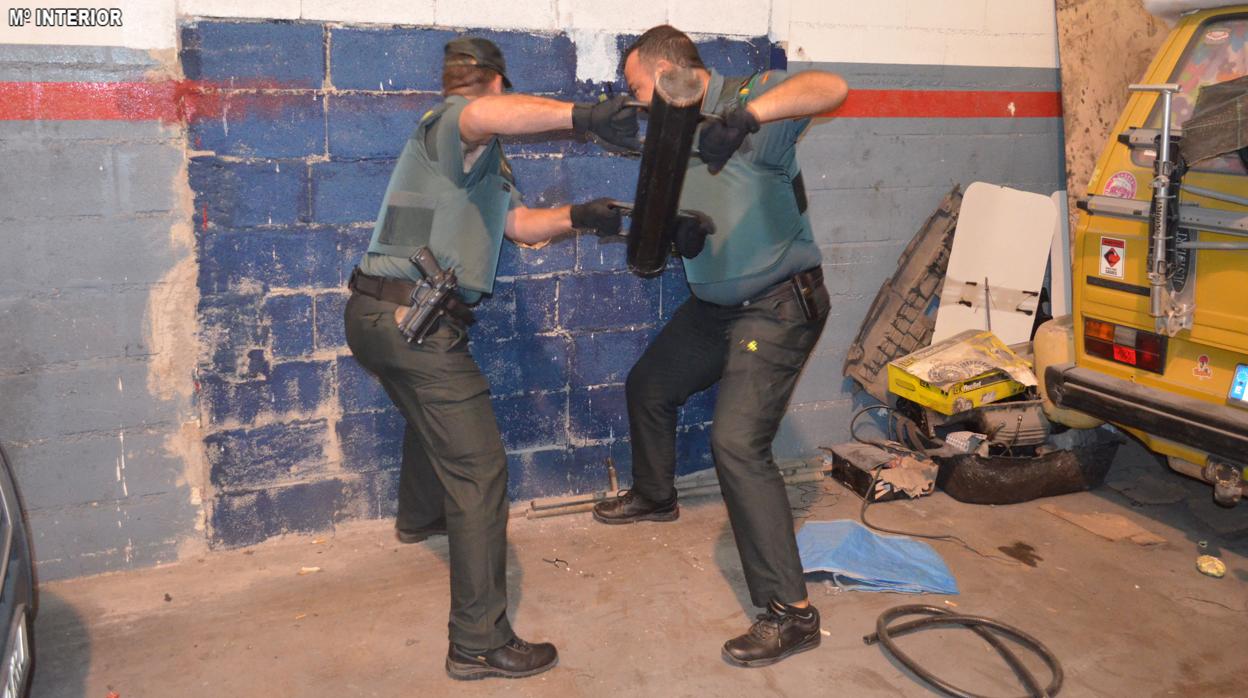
<point x="642" y="610"/>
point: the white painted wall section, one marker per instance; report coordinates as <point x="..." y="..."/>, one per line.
<point x="1009" y="33"/>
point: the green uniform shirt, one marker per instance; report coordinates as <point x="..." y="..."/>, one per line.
<point x="773" y="148"/>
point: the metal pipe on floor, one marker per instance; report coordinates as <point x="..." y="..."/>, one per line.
<point x="558" y="506"/>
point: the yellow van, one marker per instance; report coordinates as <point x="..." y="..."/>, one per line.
<point x="1159" y="331"/>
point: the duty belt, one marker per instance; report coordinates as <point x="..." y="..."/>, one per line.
<point x="802" y="285"/>
<point x="399" y="291"/>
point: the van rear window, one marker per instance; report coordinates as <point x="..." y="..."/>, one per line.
<point x="1218" y="52"/>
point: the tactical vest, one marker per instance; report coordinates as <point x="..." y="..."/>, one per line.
<point x="758" y="210"/>
<point x="462" y="225"/>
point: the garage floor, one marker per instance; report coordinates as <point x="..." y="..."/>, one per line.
<point x="642" y="610"/>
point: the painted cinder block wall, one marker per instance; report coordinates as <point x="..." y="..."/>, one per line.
<point x="250" y="419"/>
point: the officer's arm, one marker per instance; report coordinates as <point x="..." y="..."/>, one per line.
<point x="808" y="93"/>
<point x="512" y="115"/>
<point x="533" y="225"/>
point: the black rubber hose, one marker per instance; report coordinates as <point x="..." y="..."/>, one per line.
<point x="984" y="627"/>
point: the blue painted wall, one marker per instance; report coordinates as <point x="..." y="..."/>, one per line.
<point x="287" y="184"/>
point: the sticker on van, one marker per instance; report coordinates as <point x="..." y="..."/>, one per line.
<point x="1113" y="257"/>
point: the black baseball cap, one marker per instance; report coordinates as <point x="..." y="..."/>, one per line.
<point x="473" y="50"/>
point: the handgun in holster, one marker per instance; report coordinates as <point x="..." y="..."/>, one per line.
<point x="430" y="297"/>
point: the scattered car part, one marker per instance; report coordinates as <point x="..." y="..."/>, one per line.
<point x="898" y="321"/>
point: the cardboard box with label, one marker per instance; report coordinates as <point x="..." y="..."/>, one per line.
<point x="966" y="371"/>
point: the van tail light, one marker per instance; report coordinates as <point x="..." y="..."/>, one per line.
<point x="1125" y="345"/>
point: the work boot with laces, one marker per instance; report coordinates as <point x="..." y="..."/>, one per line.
<point x="514" y="660"/>
<point x="630" y="507"/>
<point x="780" y="632"/>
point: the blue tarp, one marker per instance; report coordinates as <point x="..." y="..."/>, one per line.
<point x="861" y="560"/>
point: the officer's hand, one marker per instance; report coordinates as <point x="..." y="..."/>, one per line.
<point x="720" y="139"/>
<point x="598" y="217"/>
<point x="610" y="120"/>
<point x="692" y="227"/>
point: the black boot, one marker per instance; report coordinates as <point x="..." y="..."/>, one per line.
<point x="778" y="633"/>
<point x="514" y="660"/>
<point x="630" y="507"/>
<point x="416" y="535"/>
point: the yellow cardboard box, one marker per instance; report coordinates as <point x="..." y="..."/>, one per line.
<point x="968" y="370"/>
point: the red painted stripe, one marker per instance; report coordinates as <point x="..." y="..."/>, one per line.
<point x="179" y="101"/>
<point x="949" y="104"/>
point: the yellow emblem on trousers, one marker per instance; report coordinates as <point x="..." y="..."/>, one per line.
<point x="752" y="345"/>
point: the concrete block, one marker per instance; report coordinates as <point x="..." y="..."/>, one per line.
<point x="352" y="244"/>
<point x="961" y="15"/>
<point x="248" y="518"/>
<point x="262" y="259"/>
<point x="330" y="331"/>
<point x="602" y="254"/>
<point x="532" y="421"/>
<point x="371" y="440"/>
<point x="589" y="465"/>
<point x="848" y="12"/>
<point x="374" y="126"/>
<point x="736" y="56"/>
<point x="230" y="326"/>
<point x="94" y="255"/>
<point x="273" y="9"/>
<point x="710" y="17"/>
<point x="96" y="467"/>
<point x="255" y="54"/>
<point x="699" y="408"/>
<point x="601" y="301"/>
<point x="674" y="291"/>
<point x="349" y="192"/>
<point x="300" y="386"/>
<point x="290" y="323"/>
<point x="542" y="181"/>
<point x="545" y="472"/>
<point x="73" y="326"/>
<point x="263" y="125"/>
<point x="803" y="431"/>
<point x="597" y="413"/>
<point x="90" y="179"/>
<point x="558" y="256"/>
<point x="631" y="17"/>
<point x="1022" y="17"/>
<point x="536" y="305"/>
<point x="389" y="58"/>
<point x="244" y="458"/>
<point x="597" y="175"/>
<point x="496" y="13"/>
<point x="379" y="11"/>
<point x="693" y="449"/>
<point x="76" y="541"/>
<point x="62" y="63"/>
<point x="605" y="358"/>
<point x="522" y="365"/>
<point x="105" y="395"/>
<point x="245" y="195"/>
<point x="496" y="314"/>
<point x="237" y="401"/>
<point x="359" y="390"/>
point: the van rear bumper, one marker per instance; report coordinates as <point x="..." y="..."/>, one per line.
<point x="1221" y="430"/>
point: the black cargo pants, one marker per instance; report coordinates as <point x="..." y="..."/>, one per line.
<point x="756" y="352"/>
<point x="454" y="464"/>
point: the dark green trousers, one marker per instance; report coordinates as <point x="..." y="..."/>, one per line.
<point x="756" y="353"/>
<point x="454" y="464"/>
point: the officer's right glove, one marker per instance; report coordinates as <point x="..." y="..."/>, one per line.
<point x="610" y="120"/>
<point x="598" y="217"/>
<point x="692" y="227"/>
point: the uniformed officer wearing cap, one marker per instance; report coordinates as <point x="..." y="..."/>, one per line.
<point x="757" y="308"/>
<point x="452" y="191"/>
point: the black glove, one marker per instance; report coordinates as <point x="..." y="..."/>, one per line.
<point x="692" y="227"/>
<point x="610" y="120"/>
<point x="720" y="139"/>
<point x="598" y="217"/>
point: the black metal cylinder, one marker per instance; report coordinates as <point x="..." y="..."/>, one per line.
<point x="674" y="114"/>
